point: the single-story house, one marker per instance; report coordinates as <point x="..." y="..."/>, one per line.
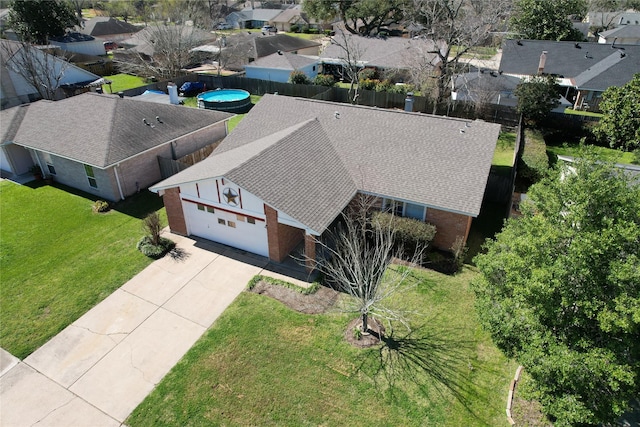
<point x="15" y="89"/>
<point x="278" y="66"/>
<point x="79" y="43"/>
<point x="289" y="169"/>
<point x="109" y="146"/>
<point x="291" y="16"/>
<point x="381" y="53"/>
<point x="609" y="20"/>
<point x="624" y="34"/>
<point x="108" y="28"/>
<point x="143" y="42"/>
<point x="584" y="69"/>
<point x="251" y="18"/>
<point x="491" y="87"/>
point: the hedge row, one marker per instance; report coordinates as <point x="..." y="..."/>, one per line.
<point x="409" y="233"/>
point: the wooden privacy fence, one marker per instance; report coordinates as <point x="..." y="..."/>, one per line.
<point x="169" y="167"/>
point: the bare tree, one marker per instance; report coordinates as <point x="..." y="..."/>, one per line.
<point x="358" y="260"/>
<point x="350" y="60"/>
<point x="41" y="70"/>
<point x="461" y="23"/>
<point x="165" y="51"/>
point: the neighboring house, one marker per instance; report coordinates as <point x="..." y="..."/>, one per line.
<point x="251" y="18"/>
<point x="624" y="34"/>
<point x="390" y="53"/>
<point x="278" y="66"/>
<point x="288" y="170"/>
<point x="584" y="69"/>
<point x="109" y="146"/>
<point x="491" y="87"/>
<point x="15" y="89"/>
<point x="79" y="43"/>
<point x="244" y="48"/>
<point x="609" y="20"/>
<point x="291" y="16"/>
<point x="143" y="42"/>
<point x="107" y="28"/>
<point x="14" y="159"/>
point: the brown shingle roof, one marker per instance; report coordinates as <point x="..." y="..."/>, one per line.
<point x="102" y="130"/>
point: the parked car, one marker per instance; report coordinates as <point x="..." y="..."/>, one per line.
<point x="223" y="26"/>
<point x="269" y="29"/>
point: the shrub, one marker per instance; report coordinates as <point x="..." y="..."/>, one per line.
<point x="410" y="233"/>
<point x="146" y="246"/>
<point x="328" y="33"/>
<point x="534" y="162"/>
<point x="368" y="84"/>
<point x="313" y="31"/>
<point x="152" y="226"/>
<point x="100" y="206"/>
<point x="459" y="252"/>
<point x="298" y="78"/>
<point x="636" y="156"/>
<point x="304" y="29"/>
<point x="403" y="89"/>
<point x="324" y="80"/>
<point x="368" y="74"/>
<point x="384" y="86"/>
<point x="295" y="28"/>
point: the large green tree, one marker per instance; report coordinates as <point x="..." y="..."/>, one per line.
<point x="359" y="16"/>
<point x="620" y="125"/>
<point x="36" y="20"/>
<point x="547" y="19"/>
<point x="560" y="291"/>
<point x="537" y="97"/>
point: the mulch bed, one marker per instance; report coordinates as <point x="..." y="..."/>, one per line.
<point x="316" y="303"/>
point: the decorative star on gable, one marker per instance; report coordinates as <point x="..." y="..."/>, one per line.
<point x="231" y="196"/>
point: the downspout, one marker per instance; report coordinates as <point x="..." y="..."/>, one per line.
<point x="115" y="170"/>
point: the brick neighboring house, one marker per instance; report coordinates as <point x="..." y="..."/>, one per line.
<point x="585" y="70"/>
<point x="107" y="145"/>
<point x="292" y="165"/>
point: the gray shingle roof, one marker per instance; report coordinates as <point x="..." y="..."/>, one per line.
<point x="105" y="25"/>
<point x="567" y="60"/>
<point x="624" y="31"/>
<point x="284" y="61"/>
<point x="390" y="52"/>
<point x="102" y="130"/>
<point x="409" y="156"/>
<point x="10" y="120"/>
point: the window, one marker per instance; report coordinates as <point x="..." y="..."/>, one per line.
<point x="210" y="209"/>
<point x="240" y="217"/>
<point x="222" y="221"/>
<point x="90" y="176"/>
<point x="231" y="224"/>
<point x="251" y="220"/>
<point x="51" y="169"/>
<point x="409" y="210"/>
<point x="200" y="207"/>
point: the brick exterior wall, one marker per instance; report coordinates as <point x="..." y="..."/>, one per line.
<point x="449" y="225"/>
<point x="175" y="214"/>
<point x="282" y="238"/>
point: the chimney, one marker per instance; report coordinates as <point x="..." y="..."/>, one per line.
<point x="408" y="102"/>
<point x="543" y="61"/>
<point x="172" y="88"/>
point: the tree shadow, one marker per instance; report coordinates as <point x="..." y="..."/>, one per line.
<point x="178" y="254"/>
<point x="429" y="359"/>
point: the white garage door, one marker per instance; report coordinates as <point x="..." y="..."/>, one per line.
<point x="224" y="227"/>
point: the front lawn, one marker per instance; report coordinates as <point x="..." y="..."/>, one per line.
<point x="122" y="82"/>
<point x="262" y="363"/>
<point x="59" y="259"/>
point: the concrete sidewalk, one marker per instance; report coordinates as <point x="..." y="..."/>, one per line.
<point x="96" y="371"/>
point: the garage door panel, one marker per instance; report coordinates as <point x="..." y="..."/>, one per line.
<point x="227" y="228"/>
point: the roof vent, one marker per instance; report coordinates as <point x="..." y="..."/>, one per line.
<point x="462" y="131"/>
<point x="279" y="52"/>
<point x="586" y="55"/>
<point x="577" y="46"/>
<point x="147" y="123"/>
<point x="622" y="54"/>
<point x="519" y="43"/>
<point x="158" y="119"/>
<point x="336" y="115"/>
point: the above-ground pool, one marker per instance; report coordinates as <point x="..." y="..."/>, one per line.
<point x="229" y="100"/>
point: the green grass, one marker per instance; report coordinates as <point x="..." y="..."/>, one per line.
<point x="477" y="52"/>
<point x="306" y="36"/>
<point x="121" y="82"/>
<point x="581" y="113"/>
<point x="264" y="364"/>
<point x="59" y="258"/>
<point x="503" y="155"/>
<point x="603" y="153"/>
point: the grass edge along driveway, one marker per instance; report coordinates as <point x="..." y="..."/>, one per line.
<point x="59" y="259"/>
<point x="262" y="363"/>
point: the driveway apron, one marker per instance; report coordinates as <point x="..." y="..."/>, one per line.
<point x="96" y="371"/>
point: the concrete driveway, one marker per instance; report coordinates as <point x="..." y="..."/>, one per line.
<point x="97" y="370"/>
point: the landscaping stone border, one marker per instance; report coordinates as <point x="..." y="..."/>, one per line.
<point x="512" y="388"/>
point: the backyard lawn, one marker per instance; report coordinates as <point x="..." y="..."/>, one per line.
<point x="262" y="363"/>
<point x="59" y="259"/>
<point x="503" y="155"/>
<point x="122" y="82"/>
<point x="603" y="153"/>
